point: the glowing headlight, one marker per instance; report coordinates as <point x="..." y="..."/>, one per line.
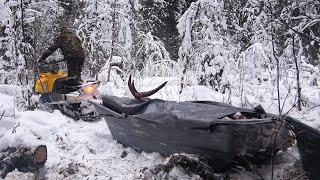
<point x="89" y="89"/>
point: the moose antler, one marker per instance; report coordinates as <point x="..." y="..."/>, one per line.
<point x="139" y="95"/>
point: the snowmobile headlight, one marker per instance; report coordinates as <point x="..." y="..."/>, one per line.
<point x="89" y="89"/>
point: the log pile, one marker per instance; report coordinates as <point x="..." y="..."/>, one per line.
<point x="24" y="159"/>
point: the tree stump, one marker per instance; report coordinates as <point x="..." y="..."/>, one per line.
<point x="24" y="159"/>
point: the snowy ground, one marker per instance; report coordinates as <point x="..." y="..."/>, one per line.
<point x="86" y="150"/>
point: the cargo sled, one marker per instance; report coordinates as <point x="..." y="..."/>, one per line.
<point x="308" y="140"/>
<point x="219" y="132"/>
<point x="201" y="127"/>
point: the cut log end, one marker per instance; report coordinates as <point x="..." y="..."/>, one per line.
<point x="22" y="158"/>
<point x="40" y="154"/>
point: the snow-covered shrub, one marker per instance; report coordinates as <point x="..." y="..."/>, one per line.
<point x="152" y="59"/>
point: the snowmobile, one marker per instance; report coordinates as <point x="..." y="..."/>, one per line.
<point x="67" y="94"/>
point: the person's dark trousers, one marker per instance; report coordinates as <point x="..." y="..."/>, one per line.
<point x="75" y="66"/>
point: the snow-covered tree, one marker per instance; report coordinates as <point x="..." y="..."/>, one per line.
<point x="105" y="29"/>
<point x="95" y="28"/>
<point x="25" y="30"/>
<point x="152" y="59"/>
<point x="206" y="46"/>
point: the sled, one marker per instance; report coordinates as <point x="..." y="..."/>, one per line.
<point x="200" y="127"/>
<point x="219" y="132"/>
<point x="308" y="140"/>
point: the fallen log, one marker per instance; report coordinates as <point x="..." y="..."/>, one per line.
<point x="25" y="159"/>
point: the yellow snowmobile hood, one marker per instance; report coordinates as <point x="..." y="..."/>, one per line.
<point x="44" y="83"/>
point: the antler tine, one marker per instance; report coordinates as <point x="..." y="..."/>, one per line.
<point x="149" y="93"/>
<point x="132" y="89"/>
<point x="135" y="90"/>
<point x="139" y="95"/>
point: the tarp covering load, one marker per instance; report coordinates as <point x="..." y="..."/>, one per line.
<point x="210" y="129"/>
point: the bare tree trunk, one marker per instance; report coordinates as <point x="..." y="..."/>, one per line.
<point x="298" y="75"/>
<point x="278" y="70"/>
<point x="134" y="31"/>
<point x="278" y="90"/>
<point x="22" y="27"/>
<point x="97" y="65"/>
<point x="95" y="53"/>
<point x="114" y="4"/>
<point x="241" y="82"/>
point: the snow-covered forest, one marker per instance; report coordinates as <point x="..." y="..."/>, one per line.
<point x="243" y="53"/>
